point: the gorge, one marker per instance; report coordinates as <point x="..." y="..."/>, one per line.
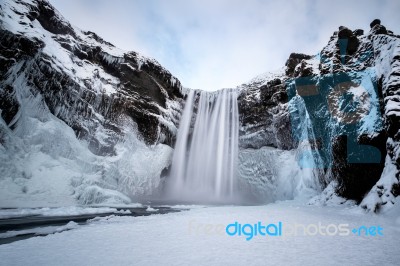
<point x="83" y="122"/>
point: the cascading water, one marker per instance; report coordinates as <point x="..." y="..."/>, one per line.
<point x="204" y="164"/>
<point x="307" y="157"/>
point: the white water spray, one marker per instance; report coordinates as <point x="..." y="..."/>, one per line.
<point x="204" y="164"/>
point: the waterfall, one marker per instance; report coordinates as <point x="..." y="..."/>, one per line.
<point x="307" y="157"/>
<point x="204" y="164"/>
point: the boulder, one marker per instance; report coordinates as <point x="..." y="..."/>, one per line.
<point x="358" y="32"/>
<point x="344" y="33"/>
<point x="375" y="22"/>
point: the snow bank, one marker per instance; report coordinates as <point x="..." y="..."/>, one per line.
<point x="41" y="231"/>
<point x="194" y="239"/>
<point x="380" y="198"/>
<point x="59" y="211"/>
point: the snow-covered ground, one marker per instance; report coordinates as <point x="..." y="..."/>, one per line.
<point x="39" y="231"/>
<point x="197" y="237"/>
<point x="59" y="211"/>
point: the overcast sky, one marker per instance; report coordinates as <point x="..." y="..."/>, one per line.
<point x="213" y="44"/>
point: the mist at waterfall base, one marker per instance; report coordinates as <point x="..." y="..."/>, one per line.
<point x="209" y="168"/>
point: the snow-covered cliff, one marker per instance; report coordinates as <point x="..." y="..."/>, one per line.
<point x="81" y="120"/>
<point x="349" y="90"/>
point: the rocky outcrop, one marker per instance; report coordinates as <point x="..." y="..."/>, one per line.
<point x="263" y="114"/>
<point x="101" y="81"/>
<point x="377" y="28"/>
<point x="294" y="60"/>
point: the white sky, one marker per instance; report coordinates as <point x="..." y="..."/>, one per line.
<point x="213" y="44"/>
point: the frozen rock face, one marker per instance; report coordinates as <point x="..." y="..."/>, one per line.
<point x="353" y="121"/>
<point x="81" y="121"/>
<point x="349" y="90"/>
<point x="84" y="80"/>
<point x="264" y="114"/>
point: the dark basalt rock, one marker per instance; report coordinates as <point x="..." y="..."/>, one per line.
<point x="379" y="29"/>
<point x="16" y="47"/>
<point x="265" y="117"/>
<point x="344" y="33"/>
<point x="375" y="22"/>
<point x="293" y="61"/>
<point x="274" y="82"/>
<point x="358" y="32"/>
<point x="50" y="19"/>
<point x="356" y="179"/>
<point x="351" y="39"/>
<point x="9" y="104"/>
<point x="352" y="45"/>
<point x="303" y="70"/>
